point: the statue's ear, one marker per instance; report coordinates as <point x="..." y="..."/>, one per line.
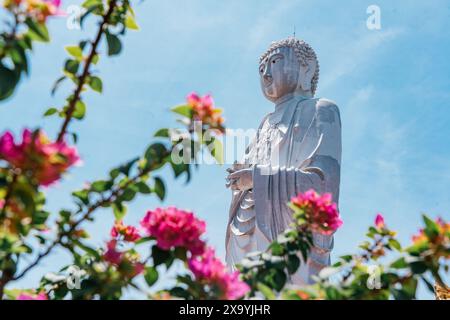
<point x="306" y="74"/>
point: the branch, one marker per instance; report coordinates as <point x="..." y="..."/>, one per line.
<point x="85" y="73"/>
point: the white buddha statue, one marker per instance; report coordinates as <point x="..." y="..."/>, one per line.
<point x="297" y="148"/>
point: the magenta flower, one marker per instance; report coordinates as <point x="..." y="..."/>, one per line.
<point x="319" y="210"/>
<point x="379" y="221"/>
<point x="112" y="255"/>
<point x="173" y="228"/>
<point x="36" y="156"/>
<point x="203" y="110"/>
<point x="209" y="270"/>
<point x="129" y="233"/>
<point x="29" y="296"/>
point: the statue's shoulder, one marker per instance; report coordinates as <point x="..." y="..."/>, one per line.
<point x="327" y="110"/>
<point x="323" y="104"/>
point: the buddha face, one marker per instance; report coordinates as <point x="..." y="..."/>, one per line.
<point x="280" y="73"/>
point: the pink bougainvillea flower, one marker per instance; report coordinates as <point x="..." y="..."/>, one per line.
<point x="319" y="210"/>
<point x="129" y="233"/>
<point x="173" y="227"/>
<point x="30" y="296"/>
<point x="42" y="9"/>
<point x="420" y="237"/>
<point x="209" y="270"/>
<point x="36" y="156"/>
<point x="379" y="221"/>
<point x="138" y="268"/>
<point x="436" y="242"/>
<point x="112" y="255"/>
<point x="203" y="110"/>
<point x="442" y="236"/>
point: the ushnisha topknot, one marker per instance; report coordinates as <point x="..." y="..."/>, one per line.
<point x="304" y="52"/>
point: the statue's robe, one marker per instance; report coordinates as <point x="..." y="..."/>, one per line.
<point x="297" y="148"/>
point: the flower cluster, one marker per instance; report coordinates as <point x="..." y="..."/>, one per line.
<point x="173" y="228"/>
<point x="37" y="9"/>
<point x="436" y="241"/>
<point x="203" y="110"/>
<point x="127" y="233"/>
<point x="319" y="211"/>
<point x="36" y="156"/>
<point x="210" y="270"/>
<point x="126" y="262"/>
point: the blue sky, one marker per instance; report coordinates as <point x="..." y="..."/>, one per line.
<point x="392" y="87"/>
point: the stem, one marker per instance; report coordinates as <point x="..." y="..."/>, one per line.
<point x="85" y="73"/>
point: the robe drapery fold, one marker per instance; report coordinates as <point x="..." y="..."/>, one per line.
<point x="304" y="153"/>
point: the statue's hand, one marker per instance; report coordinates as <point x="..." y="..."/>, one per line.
<point x="236" y="167"/>
<point x="241" y="179"/>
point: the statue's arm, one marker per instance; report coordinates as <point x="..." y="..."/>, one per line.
<point x="327" y="159"/>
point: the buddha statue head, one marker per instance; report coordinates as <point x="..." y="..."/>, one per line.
<point x="289" y="66"/>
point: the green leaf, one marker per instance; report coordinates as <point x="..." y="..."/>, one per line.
<point x="432" y="228"/>
<point x="184" y="110"/>
<point x="96" y="84"/>
<point x="119" y="210"/>
<point x="143" y="187"/>
<point x="418" y="267"/>
<point x="90" y="3"/>
<point x="37" y="31"/>
<point x="164" y="133"/>
<point x="428" y="284"/>
<point x="130" y="23"/>
<point x="71" y="66"/>
<point x="180" y="293"/>
<point x="180" y="168"/>
<point x="114" y="44"/>
<point x="266" y="291"/>
<point x="101" y="185"/>
<point x="74" y="137"/>
<point x="80" y="110"/>
<point x="276" y="248"/>
<point x="8" y="82"/>
<point x="144" y="240"/>
<point x="160" y="188"/>
<point x="155" y="155"/>
<point x="87" y="249"/>
<point x="217" y="151"/>
<point x="399" y="263"/>
<point x="395" y="244"/>
<point x="82" y="195"/>
<point x="128" y="194"/>
<point x="75" y="51"/>
<point x="293" y="263"/>
<point x="160" y="256"/>
<point x="57" y="84"/>
<point x="95" y="59"/>
<point x="50" y="112"/>
<point x="151" y="275"/>
<point x="40" y="217"/>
